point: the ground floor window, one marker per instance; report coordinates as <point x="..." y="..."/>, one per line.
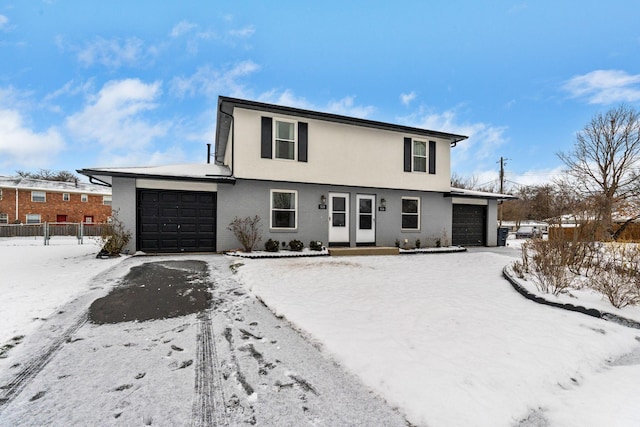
<point x="4" y="218"/>
<point x="33" y="219"/>
<point x="284" y="206"/>
<point x="410" y="213"/>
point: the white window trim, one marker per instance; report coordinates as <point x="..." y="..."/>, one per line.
<point x="106" y="199"/>
<point x="295" y="139"/>
<point x="0" y="193"/>
<point x="84" y="198"/>
<point x="39" y="192"/>
<point x="4" y="218"/>
<point x="66" y="197"/>
<point x="295" y="209"/>
<point x="26" y="218"/>
<point x="414" y="155"/>
<point x="418" y="214"/>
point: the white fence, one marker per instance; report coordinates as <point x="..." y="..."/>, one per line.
<point x="49" y="229"/>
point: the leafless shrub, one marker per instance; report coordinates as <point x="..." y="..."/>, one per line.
<point x="114" y="238"/>
<point x="548" y="265"/>
<point x="518" y="268"/>
<point x="618" y="275"/>
<point x="583" y="257"/>
<point x="247" y="231"/>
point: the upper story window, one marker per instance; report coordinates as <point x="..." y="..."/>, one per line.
<point x="84" y="198"/>
<point x="0" y="193"/>
<point x="38" y="196"/>
<point x="411" y="213"/>
<point x="66" y="197"/>
<point x="106" y="200"/>
<point x="284" y="206"/>
<point x="33" y="219"/>
<point x="419" y="156"/>
<point x="283" y="139"/>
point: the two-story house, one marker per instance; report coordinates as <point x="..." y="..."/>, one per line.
<point x="310" y="176"/>
<point x="34" y="201"/>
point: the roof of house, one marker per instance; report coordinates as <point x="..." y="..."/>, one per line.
<point x="226" y="106"/>
<point x="57" y="186"/>
<point x="463" y="192"/>
<point x="203" y="172"/>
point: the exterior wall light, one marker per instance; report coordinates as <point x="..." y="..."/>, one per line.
<point x="383" y="205"/>
<point x="323" y="202"/>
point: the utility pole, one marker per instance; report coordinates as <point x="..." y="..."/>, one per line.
<point x="502" y="162"/>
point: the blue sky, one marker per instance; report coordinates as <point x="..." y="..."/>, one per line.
<point x="132" y="83"/>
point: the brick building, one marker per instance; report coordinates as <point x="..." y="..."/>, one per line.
<point x="33" y="201"/>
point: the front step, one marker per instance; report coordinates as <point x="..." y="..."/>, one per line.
<point x="364" y="250"/>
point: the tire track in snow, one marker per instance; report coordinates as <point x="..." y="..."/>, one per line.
<point x="32" y="368"/>
<point x="209" y="407"/>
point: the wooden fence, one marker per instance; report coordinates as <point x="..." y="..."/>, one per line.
<point x="592" y="231"/>
<point x="50" y="229"/>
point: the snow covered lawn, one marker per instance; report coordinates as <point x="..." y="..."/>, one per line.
<point x="442" y="337"/>
<point x="449" y="342"/>
<point x="36" y="279"/>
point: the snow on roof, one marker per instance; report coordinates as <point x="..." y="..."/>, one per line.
<point x="191" y="171"/>
<point x="464" y="192"/>
<point x="45" y="185"/>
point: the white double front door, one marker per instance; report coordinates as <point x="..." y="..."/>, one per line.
<point x="339" y="218"/>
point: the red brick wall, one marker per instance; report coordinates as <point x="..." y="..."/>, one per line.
<point x="74" y="209"/>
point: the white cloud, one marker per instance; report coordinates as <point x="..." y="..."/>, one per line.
<point x="181" y="28"/>
<point x="211" y="82"/>
<point x="3" y="22"/>
<point x="247" y="31"/>
<point x="605" y="87"/>
<point x="21" y="146"/>
<point x="471" y="155"/>
<point x="347" y="107"/>
<point x="114" y="117"/>
<point x="114" y="53"/>
<point x="71" y="88"/>
<point x="287" y="98"/>
<point x="406" y="98"/>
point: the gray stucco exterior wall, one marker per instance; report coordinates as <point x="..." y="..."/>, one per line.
<point x="252" y="197"/>
<point x="124" y="203"/>
<point x="492" y="220"/>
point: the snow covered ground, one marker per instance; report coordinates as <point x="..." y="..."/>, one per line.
<point x="448" y="341"/>
<point x="441" y="337"/>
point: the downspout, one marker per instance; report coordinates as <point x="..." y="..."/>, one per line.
<point x="17" y="213"/>
<point x="233" y="135"/>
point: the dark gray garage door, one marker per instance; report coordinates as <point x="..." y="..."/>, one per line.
<point x="469" y="225"/>
<point x="176" y="221"/>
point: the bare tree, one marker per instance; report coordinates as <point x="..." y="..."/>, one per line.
<point x="459" y="181"/>
<point x="49" y="175"/>
<point x="603" y="164"/>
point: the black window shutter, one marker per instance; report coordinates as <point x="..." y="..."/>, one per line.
<point x="265" y="141"/>
<point x="432" y="157"/>
<point x="407" y="154"/>
<point x="302" y="141"/>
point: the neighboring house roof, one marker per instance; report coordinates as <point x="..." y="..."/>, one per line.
<point x="225" y="114"/>
<point x="57" y="186"/>
<point x="463" y="192"/>
<point x="203" y="172"/>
